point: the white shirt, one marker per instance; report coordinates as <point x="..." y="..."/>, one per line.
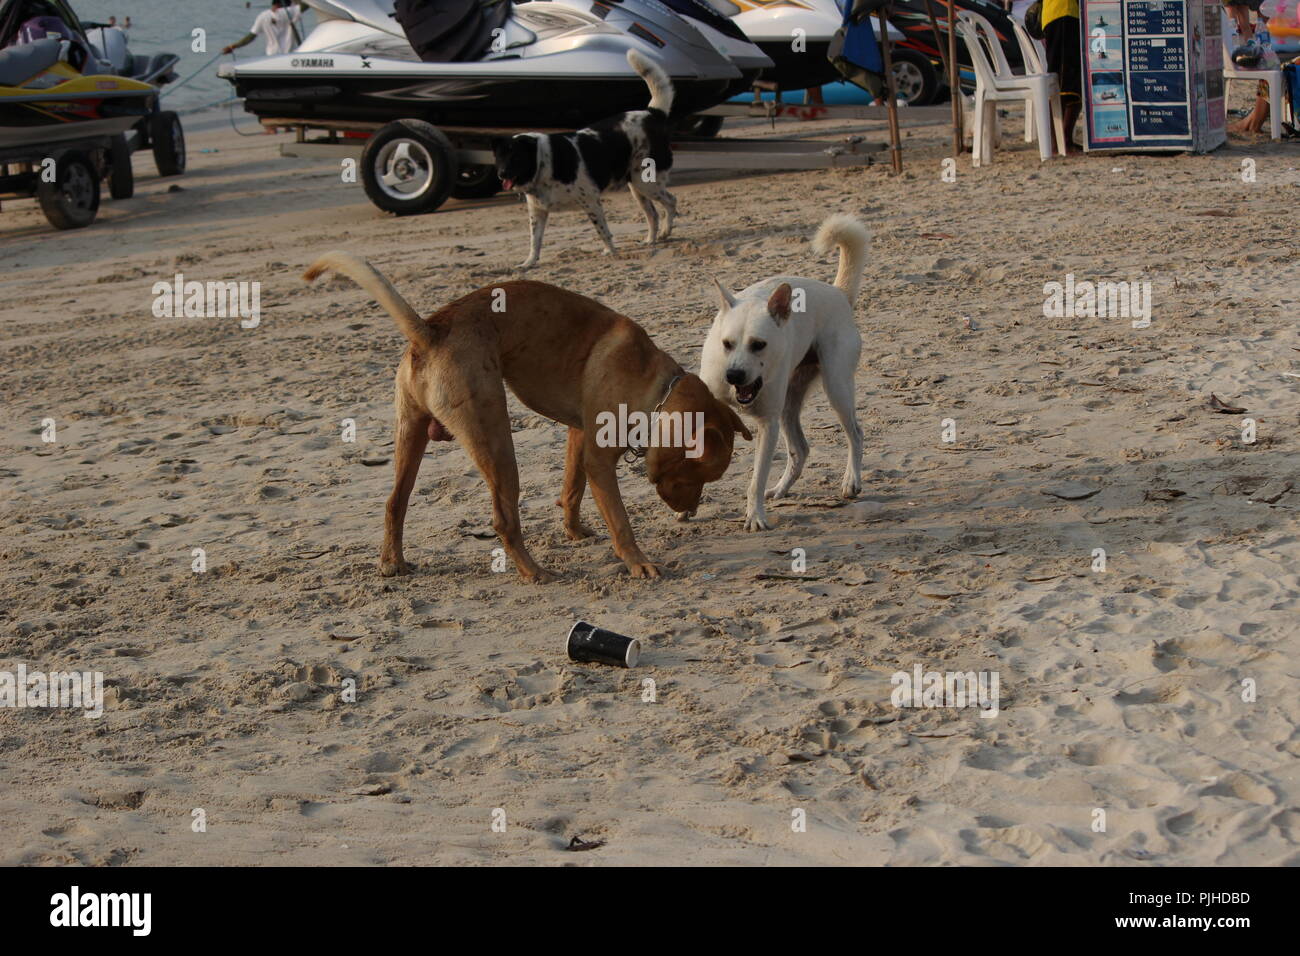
<point x="275" y="26"/>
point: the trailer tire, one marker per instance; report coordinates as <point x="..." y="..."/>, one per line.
<point x="476" y="182"/>
<point x="409" y="167"/>
<point x="121" y="178"/>
<point x="705" y="127"/>
<point x="168" y="139"/>
<point x="915" y="78"/>
<point x="72" y="200"/>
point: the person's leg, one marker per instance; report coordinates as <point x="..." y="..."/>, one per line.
<point x="1070" y="115"/>
<point x="1255" y="122"/>
<point x="1064" y="58"/>
<point x="1241" y="16"/>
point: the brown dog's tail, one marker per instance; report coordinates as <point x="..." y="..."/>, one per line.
<point x="417" y="332"/>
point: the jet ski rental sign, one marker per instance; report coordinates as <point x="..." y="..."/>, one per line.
<point x="1153" y="74"/>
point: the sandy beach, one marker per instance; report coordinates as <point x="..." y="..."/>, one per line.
<point x="1160" y="691"/>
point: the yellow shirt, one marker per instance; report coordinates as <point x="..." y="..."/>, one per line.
<point x="1055" y="9"/>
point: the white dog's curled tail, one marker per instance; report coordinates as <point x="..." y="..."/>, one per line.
<point x="846" y="232"/>
<point x="661" y="86"/>
<point x="417" y="331"/>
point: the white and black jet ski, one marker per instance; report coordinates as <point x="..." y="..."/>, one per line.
<point x="490" y="63"/>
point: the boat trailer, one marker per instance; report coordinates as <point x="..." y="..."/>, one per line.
<point x="409" y="167"/>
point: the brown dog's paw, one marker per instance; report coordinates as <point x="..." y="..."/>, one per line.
<point x="540" y="576"/>
<point x="391" y="569"/>
<point x="642" y="570"/>
<point x="578" y="532"/>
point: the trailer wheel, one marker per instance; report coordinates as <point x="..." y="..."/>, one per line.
<point x="916" y="81"/>
<point x="705" y="127"/>
<point x="168" y="141"/>
<point x="121" y="178"/>
<point x="476" y="182"/>
<point x="409" y="167"/>
<point x="72" y="200"/>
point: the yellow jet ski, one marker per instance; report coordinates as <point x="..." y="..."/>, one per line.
<point x="44" y="100"/>
<point x="72" y="111"/>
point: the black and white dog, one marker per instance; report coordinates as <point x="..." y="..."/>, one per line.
<point x="555" y="170"/>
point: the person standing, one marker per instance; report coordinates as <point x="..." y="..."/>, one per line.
<point x="1065" y="59"/>
<point x="278" y="26"/>
<point x="1250" y="53"/>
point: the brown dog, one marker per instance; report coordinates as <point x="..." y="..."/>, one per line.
<point x="564" y="356"/>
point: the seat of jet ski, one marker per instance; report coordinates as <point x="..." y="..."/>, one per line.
<point x="148" y="67"/>
<point x="20" y="63"/>
<point x="450" y="31"/>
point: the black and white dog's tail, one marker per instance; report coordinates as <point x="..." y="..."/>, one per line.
<point x="852" y="238"/>
<point x="661" y="87"/>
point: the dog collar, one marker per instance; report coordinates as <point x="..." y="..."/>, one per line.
<point x="633" y="453"/>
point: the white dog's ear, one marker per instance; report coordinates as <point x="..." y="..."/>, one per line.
<point x="778" y="306"/>
<point x="728" y="299"/>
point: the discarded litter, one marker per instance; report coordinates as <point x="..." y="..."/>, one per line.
<point x="588" y="643"/>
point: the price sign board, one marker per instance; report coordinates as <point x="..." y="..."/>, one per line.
<point x="1153" y="75"/>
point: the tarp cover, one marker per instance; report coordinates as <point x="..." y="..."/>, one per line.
<point x="450" y="31"/>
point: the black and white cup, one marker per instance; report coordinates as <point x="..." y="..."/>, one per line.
<point x="589" y="643"/>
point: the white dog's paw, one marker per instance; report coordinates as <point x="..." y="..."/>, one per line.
<point x="780" y="491"/>
<point x="850" y="487"/>
<point x="757" y="522"/>
<point x="527" y="263"/>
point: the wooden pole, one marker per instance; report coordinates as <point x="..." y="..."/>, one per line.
<point x="891" y="96"/>
<point x="944" y="55"/>
<point x="954" y="79"/>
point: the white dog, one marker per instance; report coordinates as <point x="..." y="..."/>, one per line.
<point x="770" y="342"/>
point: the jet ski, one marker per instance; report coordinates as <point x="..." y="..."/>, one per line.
<point x="913" y="18"/>
<point x="774" y="26"/>
<point x="81" y="105"/>
<point x="483" y="63"/>
<point x="54" y="89"/>
<point x="728" y="38"/>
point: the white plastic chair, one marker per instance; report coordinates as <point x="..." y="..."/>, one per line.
<point x="998" y="84"/>
<point x="1035" y="57"/>
<point x="1232" y="72"/>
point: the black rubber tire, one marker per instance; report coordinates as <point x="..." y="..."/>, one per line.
<point x="422" y="155"/>
<point x="705" y="127"/>
<point x="168" y="139"/>
<point x="121" y="178"/>
<point x="72" y="200"/>
<point x="476" y="182"/>
<point x="914" y="76"/>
